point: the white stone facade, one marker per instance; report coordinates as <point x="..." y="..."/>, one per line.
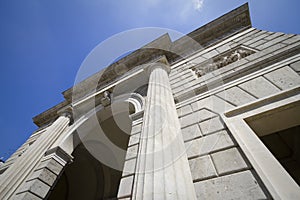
<point x="210" y="142"/>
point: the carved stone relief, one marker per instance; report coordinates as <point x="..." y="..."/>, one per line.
<point x="222" y="60"/>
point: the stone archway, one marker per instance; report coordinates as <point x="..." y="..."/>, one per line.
<point x="87" y="177"/>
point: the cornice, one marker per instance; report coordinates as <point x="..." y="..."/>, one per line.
<point x="231" y="23"/>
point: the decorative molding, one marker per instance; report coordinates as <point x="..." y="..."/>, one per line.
<point x="222" y="60"/>
<point x="106" y="99"/>
<point x="138" y="115"/>
<point x="142" y="90"/>
<point x="67" y="111"/>
<point x="159" y="62"/>
<point x="58" y="151"/>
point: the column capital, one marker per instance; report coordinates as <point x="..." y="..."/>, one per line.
<point x="66" y="112"/>
<point x="161" y="62"/>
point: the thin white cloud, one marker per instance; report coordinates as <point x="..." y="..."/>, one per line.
<point x="198" y="4"/>
<point x="189" y="8"/>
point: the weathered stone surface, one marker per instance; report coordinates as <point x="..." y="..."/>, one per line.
<point x="191" y="132"/>
<point x="248" y="36"/>
<point x="199" y="59"/>
<point x="223" y="48"/>
<point x="135" y="129"/>
<point x="196" y="117"/>
<point x="242" y="185"/>
<point x="236" y="96"/>
<point x="162" y="159"/>
<point x="260" y="42"/>
<point x="129" y="167"/>
<point x="229" y="161"/>
<point x="292" y="40"/>
<point x="210" y="54"/>
<point x="183" y="74"/>
<point x="125" y="188"/>
<point x="36" y="187"/>
<point x="259" y="37"/>
<point x="182" y="81"/>
<point x="211" y="126"/>
<point x="26" y="196"/>
<point x="52" y="165"/>
<point x="273" y="42"/>
<point x="296" y="66"/>
<point x="184" y="110"/>
<point x="45" y="175"/>
<point x="131" y="152"/>
<point x="284" y="78"/>
<point x="208" y="144"/>
<point x="134" y="139"/>
<point x="259" y="87"/>
<point x="202" y="168"/>
<point x="274" y="35"/>
<point x="213" y="103"/>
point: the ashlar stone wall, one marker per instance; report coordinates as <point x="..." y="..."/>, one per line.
<point x="220" y="170"/>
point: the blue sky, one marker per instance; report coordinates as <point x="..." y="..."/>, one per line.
<point x="43" y="43"/>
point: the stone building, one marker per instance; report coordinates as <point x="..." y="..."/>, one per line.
<point x="212" y="115"/>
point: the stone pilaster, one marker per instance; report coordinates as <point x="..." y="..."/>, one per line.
<point x="162" y="168"/>
<point x="18" y="173"/>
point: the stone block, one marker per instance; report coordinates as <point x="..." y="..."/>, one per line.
<point x="210" y="54"/>
<point x="136" y="129"/>
<point x="208" y="144"/>
<point x="45" y="175"/>
<point x="292" y="40"/>
<point x="229" y="161"/>
<point x="129" y="167"/>
<point x="134" y="139"/>
<point x="260" y="42"/>
<point x="236" y="96"/>
<point x="223" y="48"/>
<point x="26" y="196"/>
<point x="125" y="188"/>
<point x="182" y="74"/>
<point x="259" y="87"/>
<point x="284" y="78"/>
<point x="199" y="59"/>
<point x="242" y="185"/>
<point x="36" y="187"/>
<point x="258" y="38"/>
<point x="178" y="89"/>
<point x="191" y="132"/>
<point x="182" y="81"/>
<point x="52" y="165"/>
<point x="213" y="103"/>
<point x="131" y="152"/>
<point x="196" y="117"/>
<point x="248" y="36"/>
<point x="274" y="35"/>
<point x="273" y="42"/>
<point x="296" y="66"/>
<point x="184" y="110"/>
<point x="202" y="168"/>
<point x="211" y="126"/>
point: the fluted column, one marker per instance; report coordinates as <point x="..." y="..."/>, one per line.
<point x="162" y="170"/>
<point x="17" y="173"/>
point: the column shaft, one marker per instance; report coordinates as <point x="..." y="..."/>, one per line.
<point x="17" y="173"/>
<point x="162" y="171"/>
